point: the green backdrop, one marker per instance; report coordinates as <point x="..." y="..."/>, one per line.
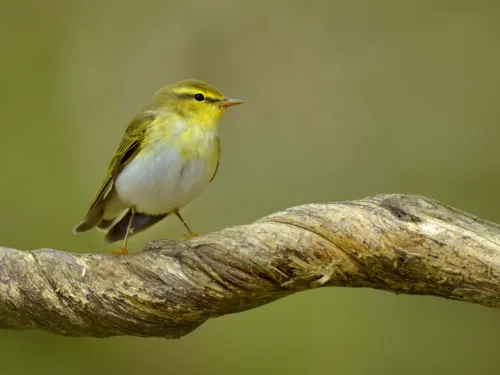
<point x="346" y="99"/>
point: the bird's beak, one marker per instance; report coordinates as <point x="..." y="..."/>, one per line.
<point x="226" y="102"/>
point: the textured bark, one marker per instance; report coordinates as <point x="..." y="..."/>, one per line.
<point x="403" y="244"/>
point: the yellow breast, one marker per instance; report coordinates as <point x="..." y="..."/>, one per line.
<point x="194" y="142"/>
<point x="174" y="166"/>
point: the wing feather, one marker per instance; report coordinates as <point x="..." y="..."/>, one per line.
<point x="218" y="159"/>
<point x="127" y="149"/>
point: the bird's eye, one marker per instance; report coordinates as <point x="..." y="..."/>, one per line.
<point x="199" y="97"/>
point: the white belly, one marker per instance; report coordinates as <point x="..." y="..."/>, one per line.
<point x="162" y="182"/>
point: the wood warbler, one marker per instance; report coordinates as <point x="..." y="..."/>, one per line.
<point x="167" y="156"/>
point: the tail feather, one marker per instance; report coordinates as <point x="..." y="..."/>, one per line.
<point x="82" y="227"/>
<point x="91" y="220"/>
<point x="105" y="224"/>
<point x="140" y="222"/>
<point x="102" y="213"/>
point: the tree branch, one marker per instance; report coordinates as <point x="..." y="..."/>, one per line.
<point x="403" y="244"/>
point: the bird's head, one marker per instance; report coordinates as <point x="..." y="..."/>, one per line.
<point x="197" y="102"/>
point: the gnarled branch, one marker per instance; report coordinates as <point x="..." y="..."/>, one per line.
<point x="403" y="244"/>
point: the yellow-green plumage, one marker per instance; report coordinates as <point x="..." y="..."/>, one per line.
<point x="168" y="155"/>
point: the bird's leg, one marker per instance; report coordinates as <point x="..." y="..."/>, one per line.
<point x="124" y="249"/>
<point x="190" y="234"/>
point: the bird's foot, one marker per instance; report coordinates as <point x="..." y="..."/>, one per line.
<point x="122" y="251"/>
<point x="187" y="236"/>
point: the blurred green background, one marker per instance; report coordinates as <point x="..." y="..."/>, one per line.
<point x="346" y="99"/>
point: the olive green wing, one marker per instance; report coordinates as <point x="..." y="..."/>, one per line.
<point x="218" y="159"/>
<point x="127" y="150"/>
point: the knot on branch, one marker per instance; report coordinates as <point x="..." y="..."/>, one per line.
<point x="396" y="243"/>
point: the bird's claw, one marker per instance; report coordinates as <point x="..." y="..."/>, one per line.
<point x="187" y="236"/>
<point x="122" y="251"/>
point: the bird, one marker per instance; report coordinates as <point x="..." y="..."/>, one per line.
<point x="169" y="153"/>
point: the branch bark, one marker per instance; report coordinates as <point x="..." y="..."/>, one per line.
<point x="397" y="243"/>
